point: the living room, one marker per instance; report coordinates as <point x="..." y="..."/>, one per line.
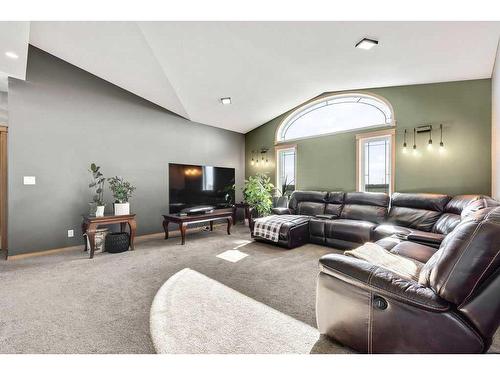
<point x="250" y="187"/>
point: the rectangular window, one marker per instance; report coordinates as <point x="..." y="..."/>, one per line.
<point x="375" y="161"/>
<point x="286" y="168"/>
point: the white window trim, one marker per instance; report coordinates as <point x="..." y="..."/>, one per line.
<point x="298" y="109"/>
<point x="371" y="135"/>
<point x="277" y="149"/>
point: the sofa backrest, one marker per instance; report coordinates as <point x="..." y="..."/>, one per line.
<point x="452" y="213"/>
<point x="308" y="202"/>
<point x="365" y="206"/>
<point x="465" y="268"/>
<point x="334" y="203"/>
<point x="417" y="211"/>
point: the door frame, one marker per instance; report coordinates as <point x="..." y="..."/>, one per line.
<point x="3" y="188"/>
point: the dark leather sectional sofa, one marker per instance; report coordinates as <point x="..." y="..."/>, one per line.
<point x="452" y="302"/>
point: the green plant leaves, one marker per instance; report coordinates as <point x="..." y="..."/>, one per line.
<point x="258" y="193"/>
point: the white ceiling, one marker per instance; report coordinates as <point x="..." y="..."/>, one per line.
<point x="266" y="68"/>
<point x="13" y="38"/>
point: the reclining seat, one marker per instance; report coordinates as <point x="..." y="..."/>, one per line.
<point x="452" y="306"/>
<point x="304" y="204"/>
<point x="354" y="224"/>
<point x="415" y="214"/>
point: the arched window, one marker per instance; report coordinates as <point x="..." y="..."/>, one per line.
<point x="336" y="113"/>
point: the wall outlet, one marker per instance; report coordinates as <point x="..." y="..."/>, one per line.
<point x="29" y="180"/>
<point x="71" y="232"/>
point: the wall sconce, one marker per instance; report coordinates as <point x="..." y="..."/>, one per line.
<point x="404" y="142"/>
<point x="263" y="153"/>
<point x="424" y="129"/>
<point x="441" y="144"/>
<point x="263" y="159"/>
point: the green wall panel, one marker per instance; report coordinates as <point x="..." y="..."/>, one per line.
<point x="464" y="109"/>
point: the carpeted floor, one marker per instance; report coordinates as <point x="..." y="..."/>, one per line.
<point x="66" y="303"/>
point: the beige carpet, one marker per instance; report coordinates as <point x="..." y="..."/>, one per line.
<point x="194" y="314"/>
<point x="66" y="303"/>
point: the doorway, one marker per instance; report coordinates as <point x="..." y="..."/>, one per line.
<point x="3" y="190"/>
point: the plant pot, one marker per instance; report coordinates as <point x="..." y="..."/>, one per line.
<point x="282" y="202"/>
<point x="122" y="208"/>
<point x="99" y="212"/>
<point x="92" y="208"/>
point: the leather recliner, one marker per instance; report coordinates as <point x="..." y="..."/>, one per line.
<point x="451" y="306"/>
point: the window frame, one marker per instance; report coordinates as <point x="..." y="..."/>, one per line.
<point x="277" y="149"/>
<point x="325" y="97"/>
<point x="391" y="133"/>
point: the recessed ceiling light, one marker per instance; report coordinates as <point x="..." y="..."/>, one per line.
<point x="11" y="55"/>
<point x="225" y="101"/>
<point x="366" y="43"/>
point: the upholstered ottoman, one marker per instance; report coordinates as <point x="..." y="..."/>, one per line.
<point x="292" y="233"/>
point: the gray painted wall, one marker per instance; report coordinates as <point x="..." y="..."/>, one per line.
<point x="3" y="108"/>
<point x="62" y="119"/>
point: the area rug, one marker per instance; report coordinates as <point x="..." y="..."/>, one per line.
<point x="193" y="314"/>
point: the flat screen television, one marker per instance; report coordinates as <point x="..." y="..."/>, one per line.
<point x="196" y="185"/>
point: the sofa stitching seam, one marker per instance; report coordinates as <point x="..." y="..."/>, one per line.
<point x="478" y="279"/>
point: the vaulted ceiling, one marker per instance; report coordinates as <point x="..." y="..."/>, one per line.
<point x="266" y="68"/>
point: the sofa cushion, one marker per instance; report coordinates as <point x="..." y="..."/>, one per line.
<point x="417" y="211"/>
<point x="365" y="206"/>
<point x="429" y="202"/>
<point x="414" y="235"/>
<point x="413" y="250"/>
<point x="308" y="202"/>
<point x="388" y="230"/>
<point x="357" y="231"/>
<point x="452" y="211"/>
<point x="334" y="203"/>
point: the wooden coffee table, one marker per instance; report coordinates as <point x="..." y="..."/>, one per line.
<point x="183" y="221"/>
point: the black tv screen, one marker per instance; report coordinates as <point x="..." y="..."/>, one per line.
<point x="196" y="185"/>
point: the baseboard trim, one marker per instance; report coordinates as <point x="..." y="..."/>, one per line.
<point x="172" y="233"/>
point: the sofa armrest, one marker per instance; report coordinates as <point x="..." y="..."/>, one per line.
<point x="427" y="238"/>
<point x="381" y="281"/>
<point x="281" y="211"/>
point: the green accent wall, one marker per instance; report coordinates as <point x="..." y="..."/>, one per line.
<point x="464" y="109"/>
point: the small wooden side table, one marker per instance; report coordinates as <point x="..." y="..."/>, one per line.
<point x="243" y="205"/>
<point x="90" y="224"/>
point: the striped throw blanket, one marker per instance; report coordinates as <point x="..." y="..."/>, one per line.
<point x="269" y="227"/>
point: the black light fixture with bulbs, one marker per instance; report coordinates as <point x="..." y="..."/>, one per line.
<point x="424" y="129"/>
<point x="263" y="159"/>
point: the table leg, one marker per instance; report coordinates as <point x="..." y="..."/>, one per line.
<point x="182" y="227"/>
<point x="91" y="235"/>
<point x="211" y="225"/>
<point x="132" y="225"/>
<point x="229" y="222"/>
<point x="234" y="214"/>
<point x="84" y="231"/>
<point x="165" y="228"/>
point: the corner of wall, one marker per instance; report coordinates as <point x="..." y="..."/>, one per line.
<point x="495" y="127"/>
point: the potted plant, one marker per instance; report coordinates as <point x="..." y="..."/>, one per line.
<point x="257" y="193"/>
<point x="122" y="191"/>
<point x="97" y="185"/>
